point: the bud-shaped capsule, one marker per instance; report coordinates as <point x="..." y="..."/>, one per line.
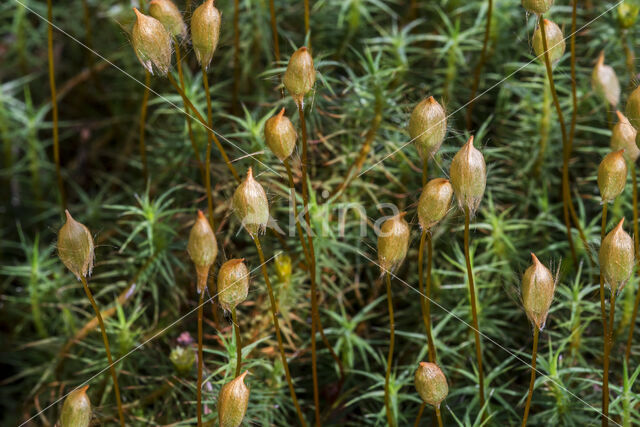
<point x="616" y="257"/>
<point x="468" y="174"/>
<point x="431" y="384"/>
<point x="627" y="14"/>
<point x="202" y="248"/>
<point x="168" y="14"/>
<point x="434" y="202"/>
<point x="393" y="242"/>
<point x="428" y="126"/>
<point x="300" y="75"/>
<point x="75" y="247"/>
<point x="151" y="43"/>
<point x="555" y="42"/>
<point x="233" y="284"/>
<point x="76" y="410"/>
<point x="280" y="135"/>
<point x="205" y="32"/>
<point x="612" y="175"/>
<point x="233" y="402"/>
<point x="633" y="108"/>
<point x="605" y="82"/>
<point x="183" y="359"/>
<point x="623" y="137"/>
<point x="537" y="6"/>
<point x="250" y="205"/>
<point x="538" y="286"/>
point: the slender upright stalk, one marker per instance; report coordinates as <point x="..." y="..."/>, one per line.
<point x="236" y="329"/>
<point x="387" y="397"/>
<point x="105" y="340"/>
<point x="143" y="123"/>
<point x="574" y="95"/>
<point x="276" y="324"/>
<point x="534" y="356"/>
<point x="54" y="108"/>
<point x="200" y="361"/>
<point x="481" y="62"/>
<point x="605" y="331"/>
<point x="274" y="30"/>
<point x="419" y="417"/>
<point x="187" y="109"/>
<point x="307" y="26"/>
<point x="312" y="259"/>
<point x="210" y="133"/>
<point x="439" y="416"/>
<point x="474" y="310"/>
<point x="566" y="196"/>
<point x="609" y="337"/>
<point x="236" y="53"/>
<point x="426" y="290"/>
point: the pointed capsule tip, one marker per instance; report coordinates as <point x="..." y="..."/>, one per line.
<point x="620" y="224"/>
<point x="138" y="13"/>
<point x="250" y="173"/>
<point x="244" y="374"/>
<point x="600" y="60"/>
<point x="621" y="117"/>
<point x="84" y="389"/>
<point x="68" y="215"/>
<point x="470" y="141"/>
<point x="422" y="363"/>
<point x="201" y="214"/>
<point x="401" y="215"/>
<point x="534" y="258"/>
<point x="281" y="113"/>
<point x="431" y="99"/>
<point x="303" y="49"/>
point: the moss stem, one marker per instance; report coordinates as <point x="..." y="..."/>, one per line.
<point x="236" y="329"/>
<point x="200" y="361"/>
<point x="566" y="195"/>
<point x="236" y="54"/>
<point x="474" y="310"/>
<point x="105" y="340"/>
<point x="534" y="356"/>
<point x="54" y="108"/>
<point x="636" y="241"/>
<point x="276" y="325"/>
<point x="605" y="329"/>
<point x="387" y="392"/>
<point x="274" y="30"/>
<point x="307" y="25"/>
<point x="439" y="416"/>
<point x="480" y="65"/>
<point x="143" y="123"/>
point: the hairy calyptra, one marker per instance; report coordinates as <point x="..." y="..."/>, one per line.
<point x="555" y="42"/>
<point x="605" y="82"/>
<point x="233" y="284"/>
<point x="468" y="174"/>
<point x="202" y="248"/>
<point x="393" y="242"/>
<point x="280" y="135"/>
<point x="431" y="383"/>
<point x="205" y="32"/>
<point x="151" y="43"/>
<point x="616" y="257"/>
<point x="76" y="410"/>
<point x="168" y="14"/>
<point x="612" y="176"/>
<point x="75" y="247"/>
<point x="233" y="402"/>
<point x="537" y="6"/>
<point x="538" y="287"/>
<point x="250" y="205"/>
<point x="623" y="137"/>
<point x="428" y="126"/>
<point x="434" y="202"/>
<point x="300" y="75"/>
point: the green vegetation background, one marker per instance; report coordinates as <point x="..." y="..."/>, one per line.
<point x="369" y="54"/>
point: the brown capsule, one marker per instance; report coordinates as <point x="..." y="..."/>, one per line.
<point x="434" y="202"/>
<point x="75" y="247"/>
<point x="605" y="82"/>
<point x="202" y="248"/>
<point x="612" y="175"/>
<point x="468" y="173"/>
<point x="168" y="14"/>
<point x="627" y="14"/>
<point x="233" y="402"/>
<point x="623" y="137"/>
<point x="538" y="287"/>
<point x="393" y="242"/>
<point x="537" y="6"/>
<point x="632" y="110"/>
<point x="250" y="205"/>
<point x="428" y="126"/>
<point x="280" y="135"/>
<point x="616" y="258"/>
<point x="76" y="410"/>
<point x="300" y="75"/>
<point x="205" y="32"/>
<point x="555" y="42"/>
<point x="151" y="43"/>
<point x="431" y="383"/>
<point x="233" y="284"/>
